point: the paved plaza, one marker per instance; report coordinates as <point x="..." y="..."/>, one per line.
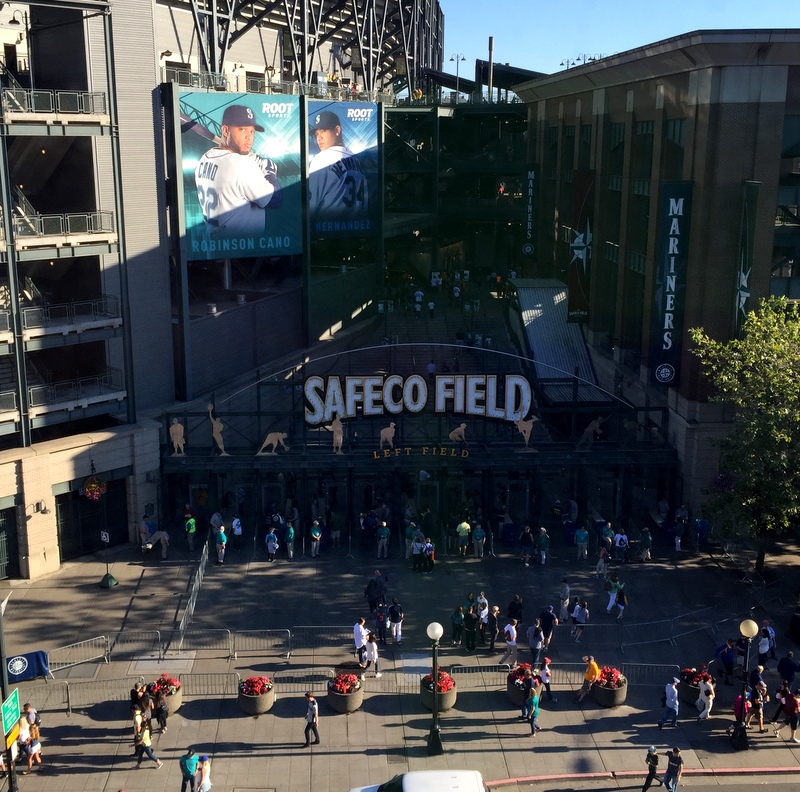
<point x="580" y="747"/>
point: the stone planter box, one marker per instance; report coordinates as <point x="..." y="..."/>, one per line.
<point x="257" y="705"/>
<point x="346" y="702"/>
<point x="446" y="700"/>
<point x="174" y="701"/>
<point x="688" y="694"/>
<point x="516" y="695"/>
<point x="609" y="697"/>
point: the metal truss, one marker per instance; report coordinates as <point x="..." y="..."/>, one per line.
<point x="388" y="42"/>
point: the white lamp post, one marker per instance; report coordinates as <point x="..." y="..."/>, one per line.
<point x="749" y="630"/>
<point x="435" y="632"/>
<point x="459" y="59"/>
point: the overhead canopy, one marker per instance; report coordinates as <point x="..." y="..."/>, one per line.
<point x="564" y="371"/>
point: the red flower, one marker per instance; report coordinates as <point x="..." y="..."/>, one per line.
<point x="610" y="678"/>
<point x="444" y="681"/>
<point x="344" y="683"/>
<point x="692" y="676"/>
<point x="255" y="686"/>
<point x="168" y="685"/>
<point x="517" y="675"/>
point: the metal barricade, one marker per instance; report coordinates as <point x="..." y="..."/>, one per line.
<point x="77" y="653"/>
<point x="311" y="636"/>
<point x="50" y="697"/>
<point x="642" y="674"/>
<point x="130" y="643"/>
<point x="217" y="641"/>
<point x="262" y="641"/>
<point x="696" y="621"/>
<point x="210" y="684"/>
<point x="86" y="694"/>
<point x="299" y="680"/>
<point x="488" y="676"/>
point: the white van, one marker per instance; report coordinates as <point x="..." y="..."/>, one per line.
<point x="430" y="781"/>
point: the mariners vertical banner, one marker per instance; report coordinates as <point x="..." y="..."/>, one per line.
<point x="581" y="246"/>
<point x="744" y="266"/>
<point x="343" y="198"/>
<point x="241" y="175"/>
<point x="672" y="252"/>
<point x="531" y="185"/>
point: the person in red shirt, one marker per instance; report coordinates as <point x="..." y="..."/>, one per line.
<point x="791" y="708"/>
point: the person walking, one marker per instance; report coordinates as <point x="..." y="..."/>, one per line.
<point x="782" y="694"/>
<point x="428" y="555"/>
<point x="510" y="634"/>
<point x="527" y="693"/>
<point x="705" y="700"/>
<point x="375" y="592"/>
<point x="381" y="617"/>
<point x="726" y="654"/>
<point x="543" y="545"/>
<point x="563" y="598"/>
<point x="581" y="616"/>
<point x="289" y="538"/>
<point x="759" y="698"/>
<point x="161" y="711"/>
<point x="791" y="708"/>
<point x="674" y="770"/>
<point x="671" y="706"/>
<point x="646" y="543"/>
<point x="457" y="622"/>
<point x="590" y="676"/>
<point x="763" y="648"/>
<point x="546" y="676"/>
<point x="417" y="553"/>
<point x="651" y="760"/>
<point x="33" y="748"/>
<point x="383" y="540"/>
<point x="772" y="640"/>
<point x="360" y="633"/>
<point x="236" y="529"/>
<point x="188" y="763"/>
<point x="312" y="720"/>
<point x="612" y="585"/>
<point x="535" y="641"/>
<point x="788" y="667"/>
<point x="548" y="620"/>
<point x="396" y="616"/>
<point x="478" y="540"/>
<point x="144" y="747"/>
<point x="190" y="526"/>
<point x="533" y="709"/>
<point x="221" y="539"/>
<point x="581" y="543"/>
<point x="463" y="529"/>
<point x="204" y="771"/>
<point x="371" y="654"/>
<point x="272" y="544"/>
<point x="493" y="627"/>
<point x="526" y="545"/>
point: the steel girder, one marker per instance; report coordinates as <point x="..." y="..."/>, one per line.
<point x="389" y="42"/>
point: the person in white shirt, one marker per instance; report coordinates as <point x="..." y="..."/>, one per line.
<point x="510" y="634"/>
<point x="360" y="633"/>
<point x="371" y="654"/>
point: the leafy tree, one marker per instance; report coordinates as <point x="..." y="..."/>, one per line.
<point x="758" y="488"/>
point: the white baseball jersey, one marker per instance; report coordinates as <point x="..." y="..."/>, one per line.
<point x="337" y="186"/>
<point x="232" y="192"/>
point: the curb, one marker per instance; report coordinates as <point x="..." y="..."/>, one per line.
<point x="611" y="775"/>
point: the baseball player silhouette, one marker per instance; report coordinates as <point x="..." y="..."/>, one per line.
<point x="235" y="185"/>
<point x="337" y="185"/>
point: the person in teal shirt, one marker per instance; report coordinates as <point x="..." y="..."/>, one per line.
<point x="533" y="709"/>
<point x="316" y="538"/>
<point x="457" y="620"/>
<point x="582" y="543"/>
<point x="221" y="540"/>
<point x="543" y="543"/>
<point x="479" y="540"/>
<point x="383" y="540"/>
<point x="189" y="764"/>
<point x="646" y="542"/>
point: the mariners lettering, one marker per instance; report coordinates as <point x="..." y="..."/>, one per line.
<point x="673" y="251"/>
<point x="476" y="395"/>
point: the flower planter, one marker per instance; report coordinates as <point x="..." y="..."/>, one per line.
<point x="346" y="702"/>
<point x="609" y="697"/>
<point x="174" y="701"/>
<point x="257" y="705"/>
<point x="516" y="694"/>
<point x="688" y="694"/>
<point x="447" y="700"/>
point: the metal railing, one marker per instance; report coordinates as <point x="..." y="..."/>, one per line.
<point x="105" y="307"/>
<point x="88" y="694"/>
<point x="20" y="100"/>
<point x="36" y="225"/>
<point x="5" y="321"/>
<point x="98" y="385"/>
<point x="210" y="684"/>
<point x="188" y="614"/>
<point x="82" y="652"/>
<point x="299" y="680"/>
<point x="218" y="641"/>
<point x="258" y="85"/>
<point x="130" y="643"/>
<point x="310" y="636"/>
<point x="262" y="641"/>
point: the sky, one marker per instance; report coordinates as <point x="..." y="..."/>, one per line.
<point x="538" y="35"/>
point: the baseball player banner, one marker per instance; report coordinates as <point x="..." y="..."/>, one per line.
<point x="241" y="175"/>
<point x="343" y="169"/>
